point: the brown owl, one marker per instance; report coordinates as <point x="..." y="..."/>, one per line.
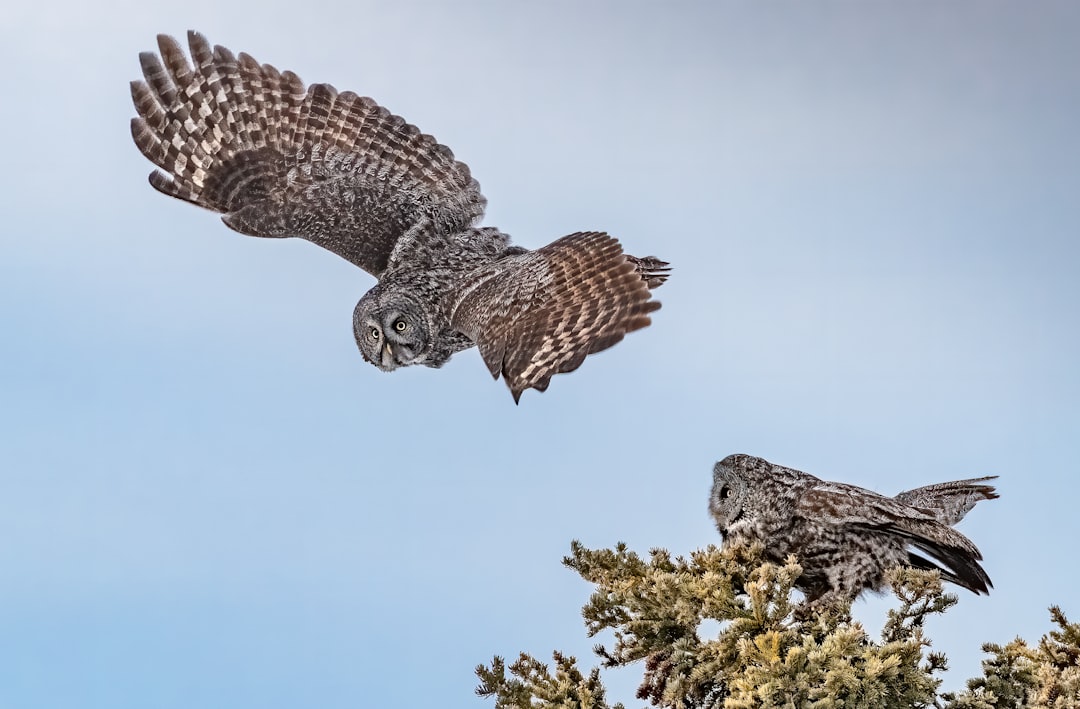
<point x="846" y="537"/>
<point x="279" y="159"/>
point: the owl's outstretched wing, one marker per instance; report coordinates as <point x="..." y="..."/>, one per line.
<point x="278" y="159"/>
<point x="539" y="313"/>
<point x="855" y="507"/>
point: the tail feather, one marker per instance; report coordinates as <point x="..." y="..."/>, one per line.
<point x="651" y="269"/>
<point x="949" y="502"/>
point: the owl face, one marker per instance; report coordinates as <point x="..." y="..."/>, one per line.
<point x="391" y="332"/>
<point x="728" y="499"/>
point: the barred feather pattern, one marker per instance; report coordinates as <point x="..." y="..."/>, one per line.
<point x="950" y="502"/>
<point x="846" y="537"/>
<point x="544" y="311"/>
<point x="280" y="159"/>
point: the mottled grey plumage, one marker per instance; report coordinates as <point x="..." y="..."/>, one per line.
<point x="949" y="502"/>
<point x="846" y="537"/>
<point x="279" y="160"/>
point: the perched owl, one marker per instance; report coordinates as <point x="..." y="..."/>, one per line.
<point x="846" y="537"/>
<point x="279" y="159"/>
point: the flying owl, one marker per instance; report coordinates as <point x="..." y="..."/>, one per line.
<point x="846" y="537"/>
<point x="278" y="159"/>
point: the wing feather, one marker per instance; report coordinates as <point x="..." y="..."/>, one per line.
<point x="854" y="506"/>
<point x="277" y="158"/>
<point x="542" y="312"/>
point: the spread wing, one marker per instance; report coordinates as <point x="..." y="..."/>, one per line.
<point x="950" y="501"/>
<point x="538" y="313"/>
<point x="278" y="159"/>
<point x="852" y="506"/>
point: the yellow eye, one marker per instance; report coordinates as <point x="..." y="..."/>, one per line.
<point x="375" y="333"/>
<point x="400" y="325"/>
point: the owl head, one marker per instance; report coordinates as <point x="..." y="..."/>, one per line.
<point x="730" y="490"/>
<point x="393" y="330"/>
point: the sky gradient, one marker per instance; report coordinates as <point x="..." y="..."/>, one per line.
<point x="208" y="499"/>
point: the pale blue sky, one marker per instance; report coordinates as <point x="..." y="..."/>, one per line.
<point x="207" y="499"/>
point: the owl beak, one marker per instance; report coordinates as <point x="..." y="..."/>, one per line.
<point x="388" y="361"/>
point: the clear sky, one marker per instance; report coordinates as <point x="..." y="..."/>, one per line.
<point x="207" y="498"/>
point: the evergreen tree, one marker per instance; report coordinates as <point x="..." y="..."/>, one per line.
<point x="771" y="651"/>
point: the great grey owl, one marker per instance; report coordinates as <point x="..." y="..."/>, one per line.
<point x="846" y="537"/>
<point x="278" y="160"/>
